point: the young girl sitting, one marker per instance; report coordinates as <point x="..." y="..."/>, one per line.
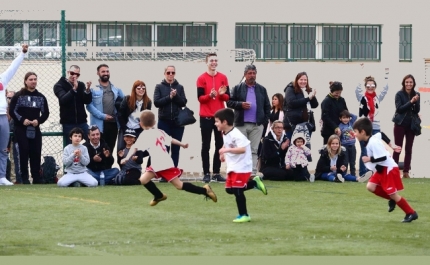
<point x="332" y="162"/>
<point x="296" y="158"/>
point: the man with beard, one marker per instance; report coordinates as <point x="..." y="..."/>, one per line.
<point x="251" y="110"/>
<point x="72" y="96"/>
<point x="103" y="106"/>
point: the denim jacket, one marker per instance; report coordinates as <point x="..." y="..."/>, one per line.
<point x="95" y="108"/>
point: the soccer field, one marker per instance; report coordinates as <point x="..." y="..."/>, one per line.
<point x="295" y="219"/>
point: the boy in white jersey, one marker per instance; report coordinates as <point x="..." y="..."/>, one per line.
<point x="385" y="181"/>
<point x="154" y="141"/>
<point x="236" y="152"/>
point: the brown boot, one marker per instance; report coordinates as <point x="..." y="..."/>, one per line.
<point x="406" y="175"/>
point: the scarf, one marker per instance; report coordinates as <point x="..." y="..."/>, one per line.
<point x="371" y="104"/>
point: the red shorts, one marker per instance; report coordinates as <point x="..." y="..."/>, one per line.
<point x="167" y="174"/>
<point x="390" y="183"/>
<point x="237" y="180"/>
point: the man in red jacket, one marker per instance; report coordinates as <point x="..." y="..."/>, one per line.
<point x="212" y="92"/>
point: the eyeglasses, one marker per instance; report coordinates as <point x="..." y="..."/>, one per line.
<point x="369" y="86"/>
<point x="170" y="73"/>
<point x="93" y="127"/>
<point x="73" y="73"/>
<point x="140" y="88"/>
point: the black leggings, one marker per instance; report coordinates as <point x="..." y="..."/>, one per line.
<point x="29" y="149"/>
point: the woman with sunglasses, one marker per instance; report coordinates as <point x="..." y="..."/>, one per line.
<point x="169" y="98"/>
<point x="130" y="109"/>
<point x="369" y="107"/>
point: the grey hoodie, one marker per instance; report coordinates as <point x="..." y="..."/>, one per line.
<point x="73" y="164"/>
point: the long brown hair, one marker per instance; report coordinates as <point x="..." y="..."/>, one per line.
<point x="297" y="88"/>
<point x="280" y="101"/>
<point x="329" y="141"/>
<point x="132" y="100"/>
<point x="413" y="93"/>
<point x="27" y="75"/>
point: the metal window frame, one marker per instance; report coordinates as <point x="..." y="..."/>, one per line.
<point x="408" y="44"/>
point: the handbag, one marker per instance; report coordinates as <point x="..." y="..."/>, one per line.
<point x="416" y="124"/>
<point x="30" y="132"/>
<point x="185" y="117"/>
<point x="311" y="122"/>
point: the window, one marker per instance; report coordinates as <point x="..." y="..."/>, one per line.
<point x="291" y="42"/>
<point x="405" y="43"/>
<point x="170" y="35"/>
<point x="43" y="34"/>
<point x="199" y="35"/>
<point x="138" y="35"/>
<point x="110" y="34"/>
<point x="76" y="34"/>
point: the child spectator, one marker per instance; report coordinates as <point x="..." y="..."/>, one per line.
<point x="296" y="158"/>
<point x="347" y="138"/>
<point x="154" y="141"/>
<point x="76" y="159"/>
<point x="236" y="152"/>
<point x="331" y="165"/>
<point x="132" y="169"/>
<point x="385" y="181"/>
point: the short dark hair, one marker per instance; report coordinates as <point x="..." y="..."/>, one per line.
<point x="76" y="130"/>
<point x="250" y="67"/>
<point x="363" y="124"/>
<point x="335" y="86"/>
<point x="102" y="65"/>
<point x="209" y="55"/>
<point x="147" y="118"/>
<point x="225" y="114"/>
<point x="344" y="113"/>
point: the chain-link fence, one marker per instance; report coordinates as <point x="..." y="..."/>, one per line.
<point x="43" y="38"/>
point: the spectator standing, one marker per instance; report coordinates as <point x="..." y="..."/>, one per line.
<point x="13" y="146"/>
<point x="347" y="138"/>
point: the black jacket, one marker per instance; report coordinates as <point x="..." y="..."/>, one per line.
<point x="323" y="165"/>
<point x="294" y="105"/>
<point x="106" y="162"/>
<point x="72" y="109"/>
<point x="238" y="96"/>
<point x="124" y="111"/>
<point x="330" y="110"/>
<point x="404" y="108"/>
<point x="168" y="108"/>
<point x="272" y="155"/>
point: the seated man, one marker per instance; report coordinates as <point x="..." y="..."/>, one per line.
<point x="101" y="159"/>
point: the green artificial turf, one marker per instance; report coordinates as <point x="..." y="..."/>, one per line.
<point x="295" y="218"/>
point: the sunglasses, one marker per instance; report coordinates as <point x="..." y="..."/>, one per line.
<point x="73" y="73"/>
<point x="140" y="88"/>
<point x="369" y="86"/>
<point x="170" y="73"/>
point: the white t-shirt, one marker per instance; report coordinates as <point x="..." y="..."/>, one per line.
<point x="239" y="163"/>
<point x="376" y="148"/>
<point x="154" y="141"/>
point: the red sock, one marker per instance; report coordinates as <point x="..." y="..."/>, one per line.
<point x="381" y="193"/>
<point x="404" y="205"/>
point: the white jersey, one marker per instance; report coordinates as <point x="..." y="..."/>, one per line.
<point x="376" y="148"/>
<point x="239" y="163"/>
<point x="154" y="141"/>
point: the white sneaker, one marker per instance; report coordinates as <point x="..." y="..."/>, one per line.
<point x="340" y="178"/>
<point x="365" y="177"/>
<point x="312" y="178"/>
<point x="5" y="182"/>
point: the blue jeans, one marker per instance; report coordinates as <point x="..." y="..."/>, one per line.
<point x="68" y="127"/>
<point x="175" y="132"/>
<point x="363" y="168"/>
<point x="331" y="176"/>
<point x="4" y="141"/>
<point x="109" y="174"/>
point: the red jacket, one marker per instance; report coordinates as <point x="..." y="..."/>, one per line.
<point x="205" y="83"/>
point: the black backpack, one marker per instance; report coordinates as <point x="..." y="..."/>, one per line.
<point x="48" y="170"/>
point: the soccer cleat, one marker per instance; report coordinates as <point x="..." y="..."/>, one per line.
<point x="391" y="205"/>
<point x="217" y="178"/>
<point x="312" y="178"/>
<point x="260" y="185"/>
<point x="410" y="217"/>
<point x="5" y="182"/>
<point x="207" y="178"/>
<point x="156" y="201"/>
<point x="339" y="178"/>
<point x="242" y="219"/>
<point x="365" y="177"/>
<point x="210" y="193"/>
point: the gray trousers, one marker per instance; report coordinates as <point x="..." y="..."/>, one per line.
<point x="254" y="133"/>
<point x="4" y="140"/>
